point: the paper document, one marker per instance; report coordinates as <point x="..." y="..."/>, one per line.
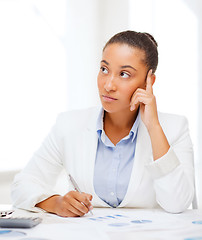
<point x="122" y="220"/>
<point x="57" y="231"/>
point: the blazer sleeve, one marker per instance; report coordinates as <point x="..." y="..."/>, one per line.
<point x="173" y="173"/>
<point x="35" y="182"/>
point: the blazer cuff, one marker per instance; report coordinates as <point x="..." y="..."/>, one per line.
<point x="164" y="165"/>
<point x="30" y="204"/>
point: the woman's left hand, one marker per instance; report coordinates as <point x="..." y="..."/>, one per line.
<point x="147" y="101"/>
<point x="148" y="111"/>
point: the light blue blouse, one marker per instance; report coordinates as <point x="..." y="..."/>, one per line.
<point x="113" y="164"/>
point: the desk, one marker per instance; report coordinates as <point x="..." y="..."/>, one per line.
<point x="158" y="225"/>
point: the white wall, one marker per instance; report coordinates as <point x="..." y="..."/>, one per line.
<point x="32" y="76"/>
<point x="196" y="7"/>
<point x="89" y="25"/>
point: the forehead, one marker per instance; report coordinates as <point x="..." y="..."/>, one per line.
<point x="123" y="54"/>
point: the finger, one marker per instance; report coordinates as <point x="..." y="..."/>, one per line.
<point x="73" y="207"/>
<point x="71" y="214"/>
<point x="90" y="197"/>
<point x="82" y="198"/>
<point x="139" y="90"/>
<point x="138" y="94"/>
<point x="67" y="213"/>
<point x="149" y="82"/>
<point x="85" y="199"/>
<point x="78" y="207"/>
<point x="144" y="100"/>
<point x="136" y="99"/>
<point x="139" y="100"/>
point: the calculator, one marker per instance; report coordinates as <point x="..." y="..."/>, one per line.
<point x="23" y="222"/>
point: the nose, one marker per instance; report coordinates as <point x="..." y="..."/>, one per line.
<point x="110" y="84"/>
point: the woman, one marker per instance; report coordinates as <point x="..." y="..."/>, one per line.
<point x="125" y="155"/>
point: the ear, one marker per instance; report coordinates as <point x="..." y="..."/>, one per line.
<point x="153" y="77"/>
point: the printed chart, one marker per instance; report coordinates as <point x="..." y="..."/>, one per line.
<point x="118" y="220"/>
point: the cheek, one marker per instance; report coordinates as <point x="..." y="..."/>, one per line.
<point x="101" y="80"/>
<point x="129" y="91"/>
<point x="130" y="94"/>
<point x="140" y="84"/>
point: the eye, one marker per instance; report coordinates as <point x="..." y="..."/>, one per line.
<point x="124" y="75"/>
<point x="104" y="70"/>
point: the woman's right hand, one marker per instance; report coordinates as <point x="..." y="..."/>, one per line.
<point x="72" y="204"/>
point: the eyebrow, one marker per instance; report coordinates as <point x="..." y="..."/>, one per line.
<point x="128" y="66"/>
<point x="104" y="61"/>
<point x="125" y="66"/>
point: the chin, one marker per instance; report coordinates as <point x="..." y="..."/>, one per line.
<point x="108" y="108"/>
<point x="113" y="109"/>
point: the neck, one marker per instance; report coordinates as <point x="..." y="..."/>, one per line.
<point x="120" y="120"/>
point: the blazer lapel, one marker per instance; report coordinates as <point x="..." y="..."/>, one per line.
<point x="89" y="143"/>
<point x="143" y="154"/>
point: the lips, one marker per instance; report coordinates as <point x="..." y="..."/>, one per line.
<point x="108" y="98"/>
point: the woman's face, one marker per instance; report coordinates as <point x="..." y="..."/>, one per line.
<point x="122" y="71"/>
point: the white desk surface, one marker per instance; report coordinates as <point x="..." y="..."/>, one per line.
<point x="115" y="224"/>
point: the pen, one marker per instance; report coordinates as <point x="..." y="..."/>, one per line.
<point x="76" y="187"/>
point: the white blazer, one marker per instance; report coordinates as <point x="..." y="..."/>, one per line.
<point x="167" y="182"/>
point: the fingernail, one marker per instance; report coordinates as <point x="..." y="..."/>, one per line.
<point x="132" y="108"/>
